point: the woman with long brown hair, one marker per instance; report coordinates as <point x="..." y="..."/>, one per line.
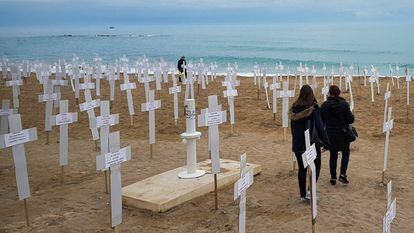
<point x="305" y="114"/>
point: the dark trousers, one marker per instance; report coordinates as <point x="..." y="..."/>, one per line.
<point x="302" y="171"/>
<point x="333" y="161"/>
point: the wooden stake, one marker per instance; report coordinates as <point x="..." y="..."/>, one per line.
<point x="26" y="212"/>
<point x="231" y="129"/>
<point x="284" y="134"/>
<point x="62" y="173"/>
<point x="151" y="150"/>
<point x="131" y="119"/>
<point x="215" y="192"/>
<point x="47" y="137"/>
<point x="77" y="101"/>
<point x="311" y="200"/>
<point x="106" y="182"/>
<point x="383" y="178"/>
<point x="274" y="116"/>
<point x="117" y="229"/>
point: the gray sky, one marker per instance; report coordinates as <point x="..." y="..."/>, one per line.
<point x="74" y="12"/>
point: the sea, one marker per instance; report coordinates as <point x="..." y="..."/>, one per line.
<point x="314" y="44"/>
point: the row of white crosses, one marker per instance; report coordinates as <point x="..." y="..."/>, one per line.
<point x="15" y="83"/>
<point x="374" y="79"/>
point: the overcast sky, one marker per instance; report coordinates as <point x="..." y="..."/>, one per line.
<point x="113" y="12"/>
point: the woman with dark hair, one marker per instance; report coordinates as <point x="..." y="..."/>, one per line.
<point x="337" y="115"/>
<point x="305" y="114"/>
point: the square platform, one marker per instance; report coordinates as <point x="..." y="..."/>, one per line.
<point x="164" y="191"/>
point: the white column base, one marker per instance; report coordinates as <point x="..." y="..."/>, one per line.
<point x="196" y="174"/>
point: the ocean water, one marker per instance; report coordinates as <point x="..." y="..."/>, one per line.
<point x="359" y="44"/>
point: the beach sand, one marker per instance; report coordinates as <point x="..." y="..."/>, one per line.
<point x="80" y="204"/>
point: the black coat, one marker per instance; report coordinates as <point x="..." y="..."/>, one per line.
<point x="180" y="65"/>
<point x="336" y="114"/>
<point x="303" y="118"/>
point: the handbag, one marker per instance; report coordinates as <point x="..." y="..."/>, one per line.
<point x="350" y="133"/>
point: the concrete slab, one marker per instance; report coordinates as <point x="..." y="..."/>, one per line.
<point x="164" y="191"/>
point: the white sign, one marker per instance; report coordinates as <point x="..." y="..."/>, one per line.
<point x="388" y="125"/>
<point x="128" y="86"/>
<point x="49" y="97"/>
<point x="152" y="105"/>
<point x="310" y="155"/>
<point x="285" y="94"/>
<point x="230" y="93"/>
<point x="64" y="118"/>
<point x="387" y="95"/>
<point x="6" y="112"/>
<point x="214" y="118"/>
<point x="115" y="158"/>
<point x="59" y="82"/>
<point x="84" y="86"/>
<point x="274" y="86"/>
<point x="89" y="105"/>
<point x="105" y="121"/>
<point x="14" y="83"/>
<point x="12" y="139"/>
<point x="244" y="183"/>
<point x="176" y="89"/>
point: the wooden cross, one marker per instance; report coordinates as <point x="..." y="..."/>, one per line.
<point x="5" y="112"/>
<point x="112" y="160"/>
<point x="387" y="129"/>
<point x="127" y="86"/>
<point x="63" y="120"/>
<point x="16" y="139"/>
<point x="103" y="122"/>
<point x="150" y="107"/>
<point x="89" y="106"/>
<point x="175" y="90"/>
<point x="212" y="117"/>
<point x="308" y="158"/>
<point x="240" y="188"/>
<point x="285" y="94"/>
<point x="48" y="96"/>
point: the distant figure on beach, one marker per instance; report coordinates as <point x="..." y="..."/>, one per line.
<point x="180" y="67"/>
<point x="306" y="114"/>
<point x="337" y="115"/>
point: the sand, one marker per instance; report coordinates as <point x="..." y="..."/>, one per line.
<point x="80" y="204"/>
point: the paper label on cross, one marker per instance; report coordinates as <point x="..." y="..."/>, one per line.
<point x="106" y="120"/>
<point x="388" y="126"/>
<point x="117" y="157"/>
<point x="265" y="85"/>
<point x="49" y="97"/>
<point x="274" y="86"/>
<point x="387" y="95"/>
<point x="310" y="155"/>
<point x="389" y="216"/>
<point x="230" y="93"/>
<point x="176" y="89"/>
<point x="285" y="94"/>
<point x="244" y="183"/>
<point x="64" y="118"/>
<point x="128" y="86"/>
<point x="145" y="107"/>
<point x="89" y="105"/>
<point x="59" y="82"/>
<point x="407" y="78"/>
<point x="213" y="118"/>
<point x="325" y="90"/>
<point x="86" y="86"/>
<point x="18" y="82"/>
<point x="372" y="79"/>
<point x="12" y="139"/>
<point x="6" y="112"/>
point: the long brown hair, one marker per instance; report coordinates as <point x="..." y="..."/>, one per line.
<point x="306" y="97"/>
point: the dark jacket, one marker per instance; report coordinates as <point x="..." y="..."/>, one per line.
<point x="336" y="114"/>
<point x="180" y="65"/>
<point x="303" y="118"/>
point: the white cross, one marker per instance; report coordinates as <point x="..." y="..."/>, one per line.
<point x="240" y="188"/>
<point x="15" y="83"/>
<point x="127" y="86"/>
<point x="285" y="94"/>
<point x="157" y="74"/>
<point x="63" y="120"/>
<point x="408" y="80"/>
<point x="97" y="75"/>
<point x="150" y="107"/>
<point x="58" y="82"/>
<point x="348" y="84"/>
<point x="387" y="127"/>
<point x="103" y="122"/>
<point x="274" y="86"/>
<point x="308" y="158"/>
<point x="48" y="96"/>
<point x="146" y="79"/>
<point x="5" y="112"/>
<point x="112" y="160"/>
<point x="16" y="139"/>
<point x="89" y="106"/>
<point x="389" y="217"/>
<point x="266" y="86"/>
<point x="387" y="95"/>
<point x="112" y="77"/>
<point x="76" y="76"/>
<point x="212" y="117"/>
<point x="373" y="79"/>
<point x="175" y="90"/>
